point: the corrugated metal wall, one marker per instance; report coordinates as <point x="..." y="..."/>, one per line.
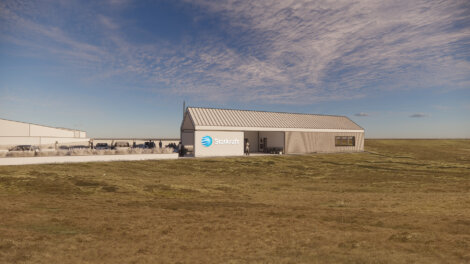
<point x="309" y="142"/>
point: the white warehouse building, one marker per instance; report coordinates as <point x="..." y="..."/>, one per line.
<point x="19" y="133"/>
<point x="225" y="132"/>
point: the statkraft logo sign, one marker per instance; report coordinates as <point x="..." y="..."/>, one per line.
<point x="206" y="141"/>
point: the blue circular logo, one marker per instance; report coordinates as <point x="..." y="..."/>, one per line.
<point x="206" y="141"/>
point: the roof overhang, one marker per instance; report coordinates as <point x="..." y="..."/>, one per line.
<point x="228" y="128"/>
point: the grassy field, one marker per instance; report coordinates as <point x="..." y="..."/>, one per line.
<point x="401" y="201"/>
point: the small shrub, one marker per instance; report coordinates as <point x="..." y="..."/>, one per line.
<point x="47" y="153"/>
<point x="168" y="150"/>
<point x="109" y="152"/>
<point x="122" y="151"/>
<point x="21" y="154"/>
<point x="81" y="152"/>
<point x="62" y="152"/>
<point x="98" y="152"/>
<point x="146" y="151"/>
<point x="137" y="151"/>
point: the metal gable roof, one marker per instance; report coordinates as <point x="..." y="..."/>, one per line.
<point x="63" y="128"/>
<point x="213" y="117"/>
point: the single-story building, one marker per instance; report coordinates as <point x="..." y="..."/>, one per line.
<point x="20" y="133"/>
<point x="225" y="132"/>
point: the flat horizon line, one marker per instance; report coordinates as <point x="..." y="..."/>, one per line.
<point x="421" y="138"/>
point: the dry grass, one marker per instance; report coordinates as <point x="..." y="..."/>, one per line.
<point x="399" y="202"/>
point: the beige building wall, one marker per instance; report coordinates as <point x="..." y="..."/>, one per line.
<point x="14" y="133"/>
<point x="295" y="133"/>
<point x="218" y="149"/>
<point x="42" y="131"/>
<point x="69" y="141"/>
<point x="8" y="142"/>
<point x="310" y="142"/>
<point x="12" y="128"/>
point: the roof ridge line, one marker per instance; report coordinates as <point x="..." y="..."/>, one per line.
<point x="263" y="111"/>
<point x="62" y="128"/>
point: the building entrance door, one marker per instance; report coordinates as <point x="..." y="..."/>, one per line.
<point x="263" y="144"/>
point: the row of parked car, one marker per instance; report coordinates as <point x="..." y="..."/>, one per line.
<point x="98" y="146"/>
<point x="24" y="148"/>
<point x="125" y="144"/>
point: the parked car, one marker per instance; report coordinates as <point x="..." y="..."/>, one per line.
<point x="79" y="147"/>
<point x="121" y="145"/>
<point x="150" y="144"/>
<point x="141" y="146"/>
<point x="25" y="148"/>
<point x="102" y="146"/>
<point x="174" y="146"/>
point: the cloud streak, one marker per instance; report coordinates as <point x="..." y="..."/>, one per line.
<point x="294" y="52"/>
<point x="419" y="115"/>
<point x="327" y="49"/>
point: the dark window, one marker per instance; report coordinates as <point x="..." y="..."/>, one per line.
<point x="345" y="141"/>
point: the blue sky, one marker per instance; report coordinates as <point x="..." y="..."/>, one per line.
<point x="122" y="68"/>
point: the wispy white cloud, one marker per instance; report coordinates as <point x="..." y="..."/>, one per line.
<point x="21" y="27"/>
<point x="108" y="22"/>
<point x="362" y="114"/>
<point x="325" y="49"/>
<point x="279" y="51"/>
